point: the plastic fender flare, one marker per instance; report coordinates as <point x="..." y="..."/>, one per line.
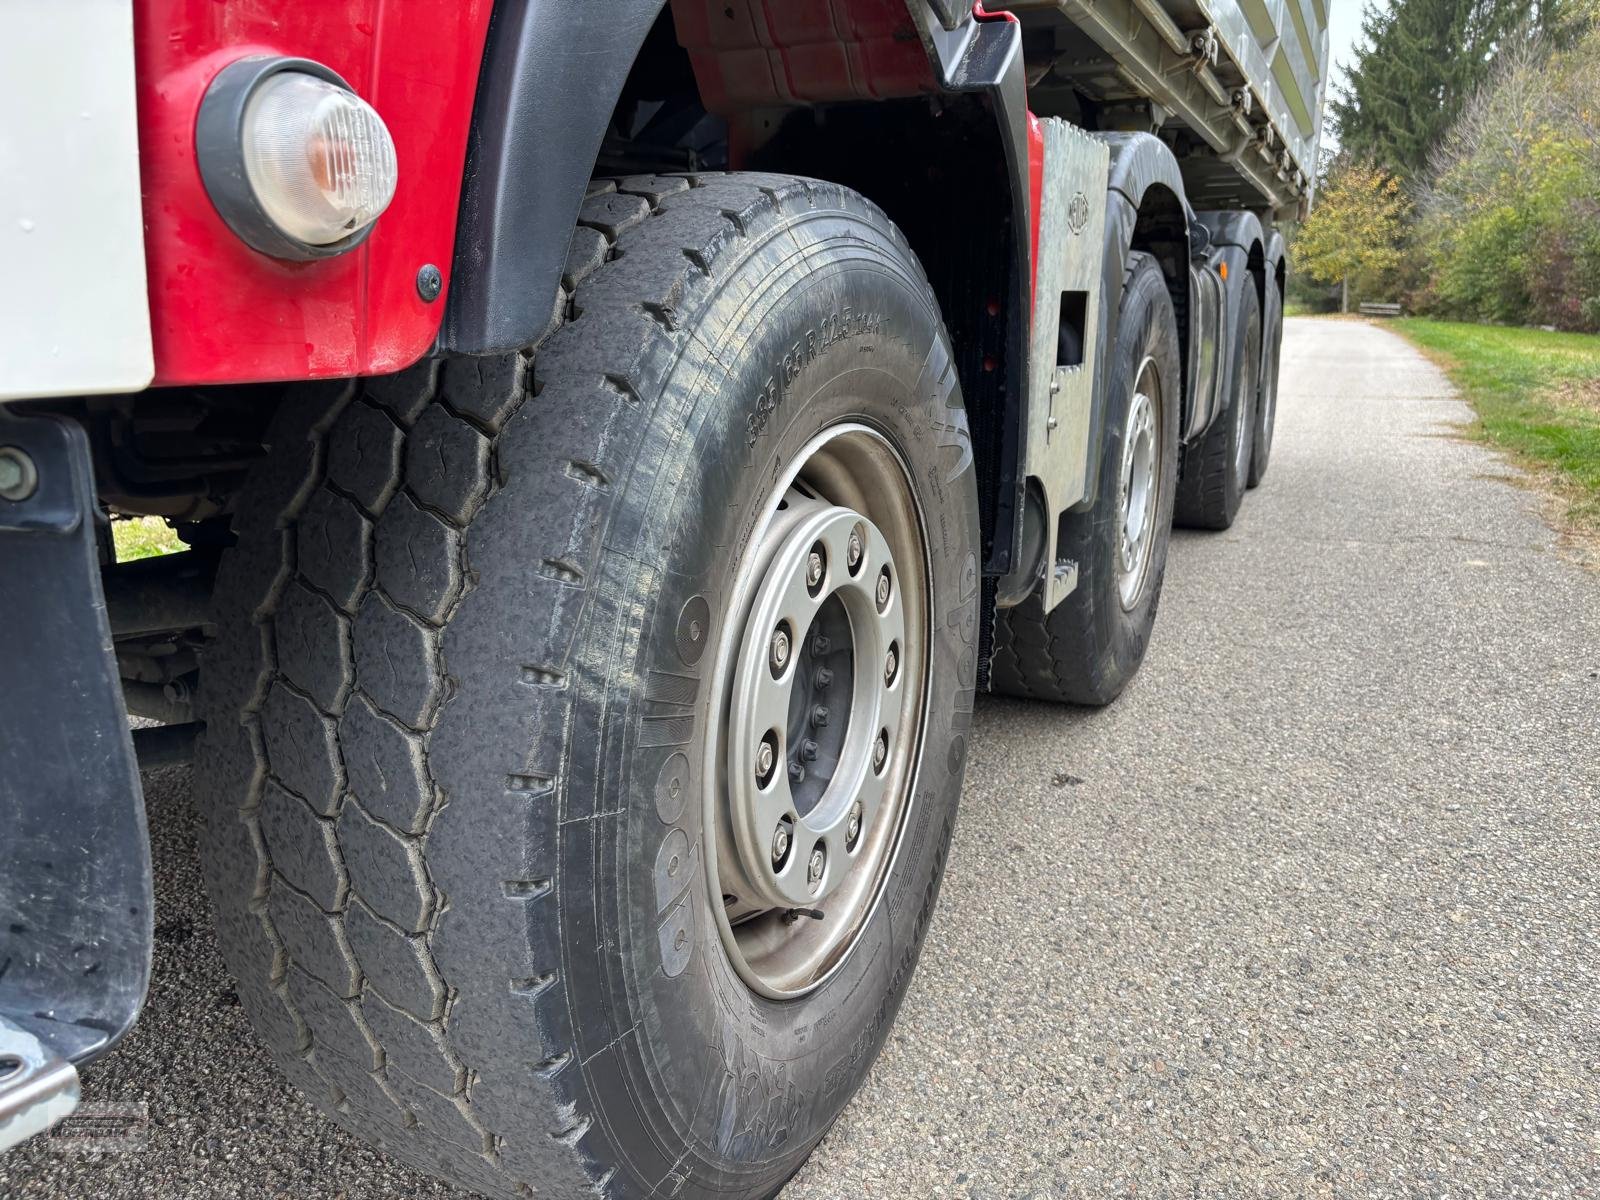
<point x="1242" y="229"/>
<point x="1277" y="251"/>
<point x="1139" y="160"/>
<point x="1232" y="236"/>
<point x="537" y="126"/>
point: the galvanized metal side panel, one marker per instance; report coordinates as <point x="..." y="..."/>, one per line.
<point x="1072" y="217"/>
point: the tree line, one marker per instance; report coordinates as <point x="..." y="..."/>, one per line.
<point x="1467" y="178"/>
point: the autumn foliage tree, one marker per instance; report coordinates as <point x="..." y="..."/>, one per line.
<point x="1510" y="221"/>
<point x="1356" y="232"/>
<point x="1483" y="115"/>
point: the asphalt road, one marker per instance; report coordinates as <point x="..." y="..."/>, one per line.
<point x="1313" y="911"/>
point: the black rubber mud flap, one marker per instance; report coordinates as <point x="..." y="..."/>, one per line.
<point x="74" y="858"/>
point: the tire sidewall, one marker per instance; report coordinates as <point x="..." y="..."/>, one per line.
<point x="829" y="322"/>
<point x="1241" y="428"/>
<point x="1267" y="391"/>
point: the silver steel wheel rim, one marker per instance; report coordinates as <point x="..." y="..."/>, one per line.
<point x="841" y="829"/>
<point x="1138" y="485"/>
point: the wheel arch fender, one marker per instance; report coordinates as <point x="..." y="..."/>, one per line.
<point x="1277" y="259"/>
<point x="1238" y="239"/>
<point x="1238" y="247"/>
<point x="537" y="103"/>
<point x="1275" y="282"/>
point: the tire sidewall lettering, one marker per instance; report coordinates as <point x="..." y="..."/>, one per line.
<point x="779" y="1066"/>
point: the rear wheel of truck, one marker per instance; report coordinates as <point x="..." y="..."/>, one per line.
<point x="585" y="728"/>
<point x="1267" y="395"/>
<point x="1090" y="646"/>
<point x="1216" y="469"/>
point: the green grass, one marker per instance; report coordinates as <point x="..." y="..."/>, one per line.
<point x="1537" y="396"/>
<point x="143" y="537"/>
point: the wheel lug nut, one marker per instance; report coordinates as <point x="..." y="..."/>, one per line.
<point x="808" y="750"/>
<point x="815" y="564"/>
<point x="883" y="589"/>
<point x="780" y="650"/>
<point x="819" y="716"/>
<point x="852" y="828"/>
<point x="880" y="750"/>
<point x="891" y="666"/>
<point x="780" y="843"/>
<point x="819" y="860"/>
<point x="766" y="757"/>
<point x="855" y="548"/>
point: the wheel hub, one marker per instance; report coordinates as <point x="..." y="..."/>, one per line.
<point x="815" y="749"/>
<point x="824" y="711"/>
<point x="1137" y="488"/>
<point x="820" y="704"/>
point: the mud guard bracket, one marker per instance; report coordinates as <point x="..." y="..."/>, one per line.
<point x="75" y="880"/>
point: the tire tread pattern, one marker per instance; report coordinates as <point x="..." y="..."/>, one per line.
<point x="1209" y="494"/>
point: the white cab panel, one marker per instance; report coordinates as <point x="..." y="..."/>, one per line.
<point x="74" y="313"/>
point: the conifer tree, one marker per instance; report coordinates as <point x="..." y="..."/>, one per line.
<point x="1420" y="63"/>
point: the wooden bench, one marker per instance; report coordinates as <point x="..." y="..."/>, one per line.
<point x="1370" y="309"/>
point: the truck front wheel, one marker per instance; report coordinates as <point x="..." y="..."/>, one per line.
<point x="585" y="730"/>
<point x="1091" y="645"/>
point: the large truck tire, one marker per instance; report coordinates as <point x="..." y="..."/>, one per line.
<point x="1216" y="469"/>
<point x="1088" y="649"/>
<point x="1267" y="397"/>
<point x="585" y="727"/>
